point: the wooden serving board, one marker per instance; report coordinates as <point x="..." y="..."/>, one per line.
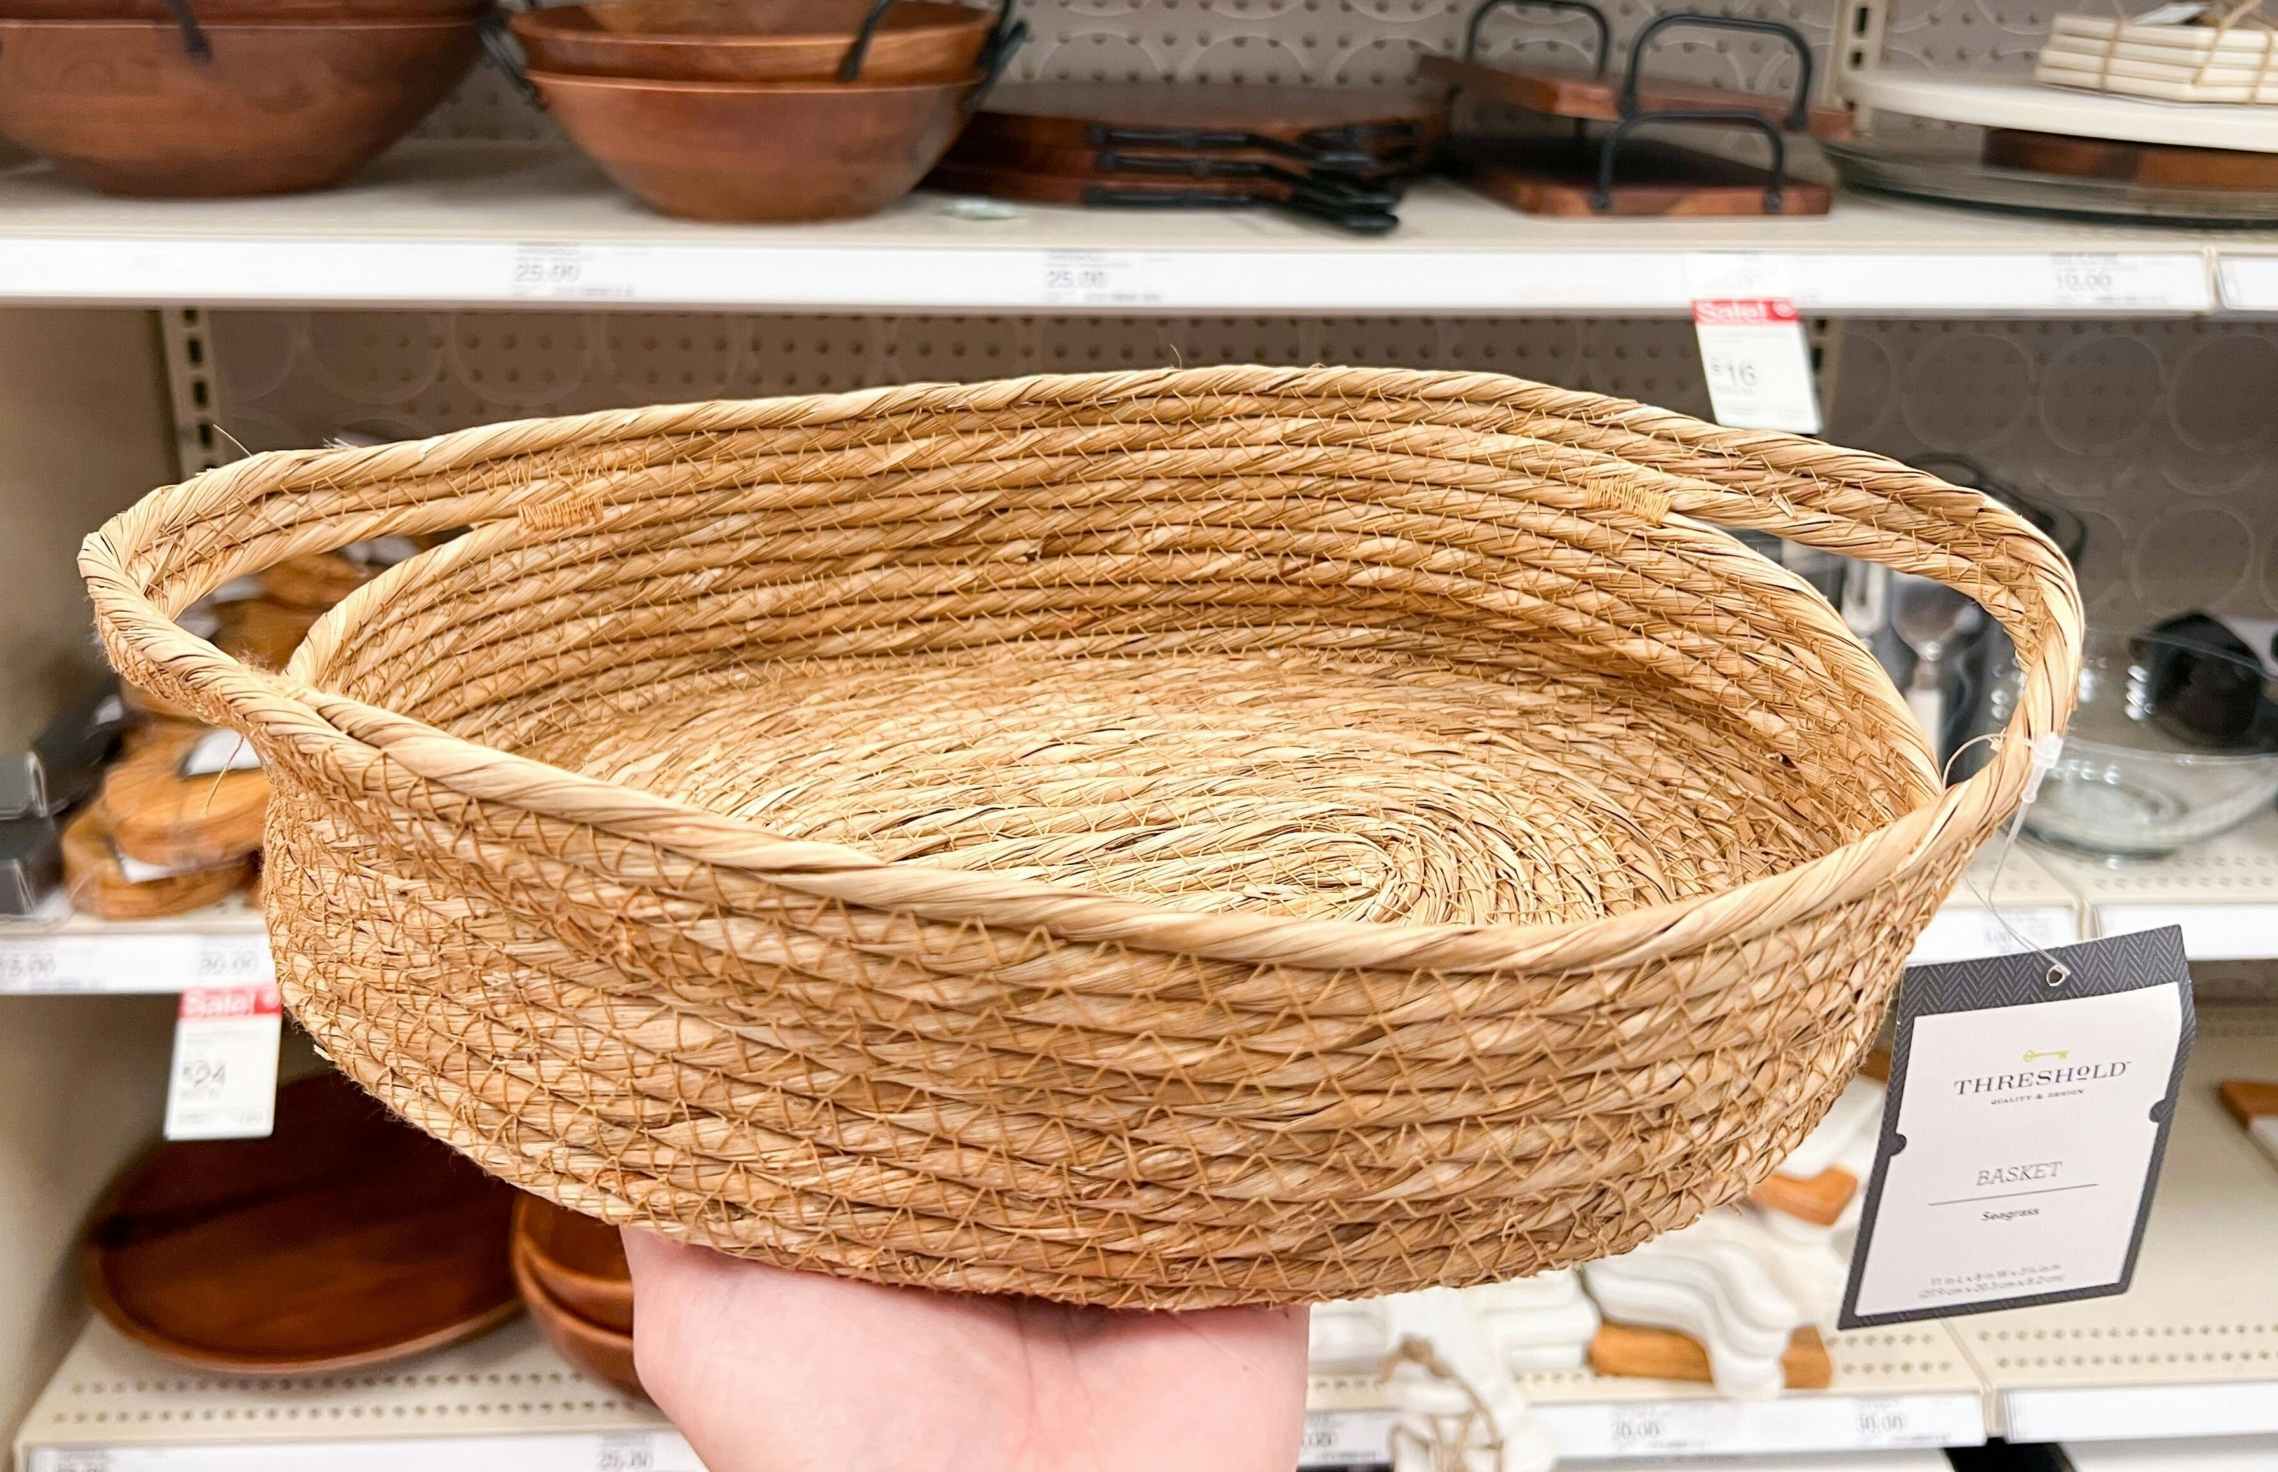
<point x="158" y="815"/>
<point x="2152" y="164"/>
<point x="1065" y="114"/>
<point x="1555" y="177"/>
<point x="1818" y="1199"/>
<point x="1561" y="93"/>
<point x="1664" y="1354"/>
<point x="344" y="1239"/>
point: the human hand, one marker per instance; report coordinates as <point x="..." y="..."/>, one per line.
<point x="765" y="1370"/>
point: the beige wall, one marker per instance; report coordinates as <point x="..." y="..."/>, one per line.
<point x="84" y="429"/>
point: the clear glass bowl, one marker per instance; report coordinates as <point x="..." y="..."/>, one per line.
<point x="2173" y="741"/>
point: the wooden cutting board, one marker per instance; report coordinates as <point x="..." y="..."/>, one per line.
<point x="1074" y="114"/>
<point x="345" y="1239"/>
<point x="161" y="816"/>
<point x="2150" y="164"/>
<point x="1560" y="93"/>
<point x="1554" y="177"/>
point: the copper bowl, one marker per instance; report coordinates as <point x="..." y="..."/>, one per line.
<point x="753" y="152"/>
<point x="916" y="41"/>
<point x="122" y="105"/>
<point x="599" y="1352"/>
<point x="579" y="1261"/>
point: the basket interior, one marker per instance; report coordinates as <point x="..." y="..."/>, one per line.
<point x="1312" y="698"/>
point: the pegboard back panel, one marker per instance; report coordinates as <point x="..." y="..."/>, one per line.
<point x="2157" y="433"/>
<point x="1375" y="43"/>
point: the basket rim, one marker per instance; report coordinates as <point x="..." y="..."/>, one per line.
<point x="290" y="709"/>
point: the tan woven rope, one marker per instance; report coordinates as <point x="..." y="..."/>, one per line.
<point x="1169" y="838"/>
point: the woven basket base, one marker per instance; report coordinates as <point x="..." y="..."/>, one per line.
<point x="1344" y="787"/>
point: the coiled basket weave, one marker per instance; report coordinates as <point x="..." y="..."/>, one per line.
<point x="1175" y="838"/>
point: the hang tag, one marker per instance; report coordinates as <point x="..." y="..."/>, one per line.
<point x="1757" y="363"/>
<point x="2023" y="1130"/>
<point x="224" y="1080"/>
<point x="220" y="751"/>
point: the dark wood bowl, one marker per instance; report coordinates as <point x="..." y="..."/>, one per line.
<point x="580" y="1262"/>
<point x="918" y="41"/>
<point x="752" y="152"/>
<point x="604" y="1354"/>
<point x="121" y="106"/>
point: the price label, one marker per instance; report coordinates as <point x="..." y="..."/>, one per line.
<point x="131" y="962"/>
<point x="1757" y="363"/>
<point x="583" y="273"/>
<point x="2120" y="282"/>
<point x="1104" y="278"/>
<point x="223" y="1084"/>
<point x="1347" y="1439"/>
<point x="1964" y="932"/>
<point x="1794" y="1423"/>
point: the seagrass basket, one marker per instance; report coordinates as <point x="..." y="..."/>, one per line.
<point x="1172" y="839"/>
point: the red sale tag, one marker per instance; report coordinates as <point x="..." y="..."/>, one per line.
<point x="224" y="1080"/>
<point x="1757" y="363"/>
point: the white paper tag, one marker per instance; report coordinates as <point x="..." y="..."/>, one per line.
<point x="220" y="751"/>
<point x="137" y="871"/>
<point x="224" y="1080"/>
<point x="1757" y="363"/>
<point x="380" y="551"/>
<point x="1347" y="1439"/>
<point x="2023" y="1130"/>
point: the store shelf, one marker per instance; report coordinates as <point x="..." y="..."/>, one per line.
<point x="2223" y="892"/>
<point x="2222" y="1454"/>
<point x="459" y="224"/>
<point x="504" y="1403"/>
<point x="58" y="952"/>
<point x="1894" y="1388"/>
<point x="2192" y="1348"/>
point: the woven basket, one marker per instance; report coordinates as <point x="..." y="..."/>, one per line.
<point x="1173" y="838"/>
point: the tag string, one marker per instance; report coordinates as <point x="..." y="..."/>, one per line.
<point x="2044" y="759"/>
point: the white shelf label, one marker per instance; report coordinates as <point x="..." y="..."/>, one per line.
<point x="1356" y="1438"/>
<point x="1105" y="278"/>
<point x="2115" y="282"/>
<point x="2210" y="932"/>
<point x="2129" y="1412"/>
<point x="127" y="962"/>
<point x="647" y="1451"/>
<point x="1708" y="1425"/>
<point x="566" y="272"/>
<point x="2247" y="283"/>
<point x="1757" y="363"/>
<point x="223" y="1081"/>
<point x="1966" y="932"/>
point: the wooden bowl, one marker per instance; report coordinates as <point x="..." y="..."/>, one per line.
<point x="918" y="41"/>
<point x="580" y="1262"/>
<point x="121" y="106"/>
<point x="603" y="1353"/>
<point x="751" y="152"/>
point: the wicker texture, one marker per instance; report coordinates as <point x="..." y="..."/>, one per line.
<point x="1180" y="838"/>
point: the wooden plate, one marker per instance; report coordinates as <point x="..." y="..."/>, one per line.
<point x="98" y="885"/>
<point x="2135" y="163"/>
<point x="159" y="816"/>
<point x="578" y="1261"/>
<point x="344" y="1239"/>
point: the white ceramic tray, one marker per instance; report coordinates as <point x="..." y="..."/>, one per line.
<point x="2009" y="103"/>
